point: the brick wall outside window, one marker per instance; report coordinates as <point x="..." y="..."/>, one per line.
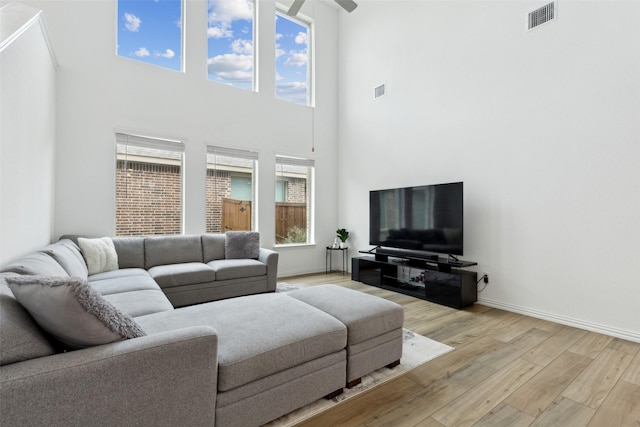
<point x="148" y="199"/>
<point x="220" y="181"/>
<point x="296" y="190"/>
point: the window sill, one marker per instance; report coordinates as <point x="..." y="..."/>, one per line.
<point x="294" y="245"/>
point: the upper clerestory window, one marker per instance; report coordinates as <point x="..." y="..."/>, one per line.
<point x="293" y="59"/>
<point x="231" y="49"/>
<point x="152" y="31"/>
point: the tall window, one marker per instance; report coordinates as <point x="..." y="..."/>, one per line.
<point x="293" y="70"/>
<point x="149" y="186"/>
<point x="151" y="31"/>
<point x="231" y="42"/>
<point x="231" y="189"/>
<point x="294" y="200"/>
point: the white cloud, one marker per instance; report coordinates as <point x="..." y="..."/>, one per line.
<point x="292" y="88"/>
<point x="279" y="51"/>
<point x="231" y="66"/>
<point x="301" y="38"/>
<point x="132" y="22"/>
<point x="296" y="59"/>
<point x="292" y="91"/>
<point x="219" y="32"/>
<point x="142" y="52"/>
<point x="225" y="11"/>
<point x="222" y="14"/>
<point x="167" y="54"/>
<point x="242" y="46"/>
<point x="279" y="36"/>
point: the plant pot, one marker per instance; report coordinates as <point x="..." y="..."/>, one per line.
<point x="343" y="245"/>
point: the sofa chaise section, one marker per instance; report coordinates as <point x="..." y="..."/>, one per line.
<point x="277" y="354"/>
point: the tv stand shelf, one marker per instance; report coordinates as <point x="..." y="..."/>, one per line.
<point x="434" y="279"/>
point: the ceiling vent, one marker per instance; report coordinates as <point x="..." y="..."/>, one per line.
<point x="379" y="90"/>
<point x="541" y="16"/>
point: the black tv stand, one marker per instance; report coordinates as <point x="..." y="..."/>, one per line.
<point x="436" y="279"/>
<point x="385" y="257"/>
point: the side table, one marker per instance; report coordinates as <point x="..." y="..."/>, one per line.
<point x="327" y="261"/>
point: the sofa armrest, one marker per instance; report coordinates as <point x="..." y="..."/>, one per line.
<point x="270" y="258"/>
<point x="162" y="379"/>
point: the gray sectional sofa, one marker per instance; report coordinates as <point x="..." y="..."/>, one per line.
<point x="242" y="360"/>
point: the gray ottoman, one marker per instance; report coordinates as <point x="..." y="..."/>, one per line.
<point x="374" y="326"/>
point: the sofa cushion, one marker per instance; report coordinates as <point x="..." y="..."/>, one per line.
<point x="188" y="273"/>
<point x="21" y="337"/>
<point x="115" y="274"/>
<point x="259" y="335"/>
<point x="366" y="316"/>
<point x="227" y="269"/>
<point x="130" y="251"/>
<point x="213" y="246"/>
<point x="99" y="254"/>
<point x="140" y="302"/>
<point x="36" y="263"/>
<point x="242" y="245"/>
<point x="132" y="291"/>
<point x="122" y="284"/>
<point x="162" y="250"/>
<point x="72" y="311"/>
<point x="68" y="255"/>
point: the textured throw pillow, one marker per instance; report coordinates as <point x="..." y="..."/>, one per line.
<point x="100" y="254"/>
<point x="242" y="245"/>
<point x="72" y="311"/>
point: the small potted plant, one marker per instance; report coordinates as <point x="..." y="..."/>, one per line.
<point x="343" y="235"/>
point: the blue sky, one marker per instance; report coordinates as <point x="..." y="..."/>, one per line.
<point x="150" y="31"/>
<point x="292" y="61"/>
<point x="230" y="58"/>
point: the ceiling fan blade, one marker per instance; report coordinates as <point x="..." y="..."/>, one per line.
<point x="348" y="5"/>
<point x="295" y="7"/>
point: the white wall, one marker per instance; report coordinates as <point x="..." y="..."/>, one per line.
<point x="99" y="92"/>
<point x="542" y="127"/>
<point x="27" y="134"/>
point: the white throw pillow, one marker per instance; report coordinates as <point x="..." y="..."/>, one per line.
<point x="100" y="254"/>
<point x="72" y="311"/>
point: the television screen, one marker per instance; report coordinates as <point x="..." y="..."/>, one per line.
<point x="428" y="218"/>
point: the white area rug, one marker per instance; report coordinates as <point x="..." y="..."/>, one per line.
<point x="416" y="350"/>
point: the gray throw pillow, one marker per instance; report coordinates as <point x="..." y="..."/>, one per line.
<point x="72" y="311"/>
<point x="242" y="245"/>
<point x="20" y="336"/>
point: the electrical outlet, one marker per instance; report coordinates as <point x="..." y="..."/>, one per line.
<point x="485" y="277"/>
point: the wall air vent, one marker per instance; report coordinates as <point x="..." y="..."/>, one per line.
<point x="541" y="16"/>
<point x="379" y="90"/>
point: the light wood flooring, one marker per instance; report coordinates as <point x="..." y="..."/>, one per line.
<point x="506" y="370"/>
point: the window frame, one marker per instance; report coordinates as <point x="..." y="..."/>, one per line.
<point x="282" y="159"/>
<point x="183" y="43"/>
<point x="254" y="41"/>
<point x="303" y="20"/>
<point x="241" y="154"/>
<point x="168" y="144"/>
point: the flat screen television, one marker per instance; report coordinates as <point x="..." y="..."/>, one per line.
<point x="418" y="220"/>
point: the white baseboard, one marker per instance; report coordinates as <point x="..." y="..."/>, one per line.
<point x="581" y="324"/>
